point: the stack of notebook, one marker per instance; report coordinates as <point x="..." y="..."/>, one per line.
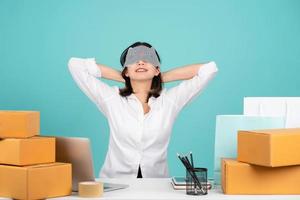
<point x="179" y="183"/>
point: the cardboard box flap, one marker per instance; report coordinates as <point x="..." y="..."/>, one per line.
<point x="18" y="111"/>
<point x="45" y="165"/>
<point x="276" y="131"/>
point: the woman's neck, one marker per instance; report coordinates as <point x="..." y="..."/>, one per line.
<point x="141" y="89"/>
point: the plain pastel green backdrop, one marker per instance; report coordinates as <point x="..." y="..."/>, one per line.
<point x="255" y="44"/>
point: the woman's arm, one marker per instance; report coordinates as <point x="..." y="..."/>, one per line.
<point x="184" y="92"/>
<point x="110" y="73"/>
<point x="85" y="73"/>
<point x="181" y="73"/>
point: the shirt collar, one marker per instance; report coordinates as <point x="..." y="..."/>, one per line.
<point x="150" y="101"/>
<point x="132" y="96"/>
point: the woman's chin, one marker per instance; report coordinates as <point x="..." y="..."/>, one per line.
<point x="141" y="78"/>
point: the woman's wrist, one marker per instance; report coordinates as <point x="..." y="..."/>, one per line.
<point x="110" y="73"/>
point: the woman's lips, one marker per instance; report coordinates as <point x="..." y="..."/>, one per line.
<point x="141" y="70"/>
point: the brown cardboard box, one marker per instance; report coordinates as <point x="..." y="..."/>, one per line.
<point x="36" y="181"/>
<point x="273" y="147"/>
<point x="29" y="151"/>
<point x="19" y="124"/>
<point x="243" y="178"/>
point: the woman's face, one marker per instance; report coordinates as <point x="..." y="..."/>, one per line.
<point x="141" y="70"/>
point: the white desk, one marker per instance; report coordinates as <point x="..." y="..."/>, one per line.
<point x="162" y="189"/>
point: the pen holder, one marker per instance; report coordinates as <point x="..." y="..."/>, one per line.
<point x="192" y="185"/>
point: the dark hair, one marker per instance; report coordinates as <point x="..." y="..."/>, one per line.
<point x="156" y="85"/>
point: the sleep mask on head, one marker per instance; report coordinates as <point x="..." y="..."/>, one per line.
<point x="141" y="53"/>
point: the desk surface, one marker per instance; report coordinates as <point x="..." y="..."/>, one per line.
<point x="151" y="188"/>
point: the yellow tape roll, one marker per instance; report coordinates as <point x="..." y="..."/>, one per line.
<point x="90" y="189"/>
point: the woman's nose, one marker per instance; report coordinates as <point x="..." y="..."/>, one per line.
<point x="140" y="62"/>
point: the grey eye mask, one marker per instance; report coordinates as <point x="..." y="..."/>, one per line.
<point x="141" y="53"/>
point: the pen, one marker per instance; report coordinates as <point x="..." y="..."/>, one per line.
<point x="191" y="166"/>
<point x="191" y="155"/>
<point x="187" y="165"/>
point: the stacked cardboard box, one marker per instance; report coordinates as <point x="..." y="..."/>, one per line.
<point x="268" y="162"/>
<point x="27" y="160"/>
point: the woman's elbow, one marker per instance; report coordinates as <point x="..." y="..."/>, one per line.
<point x="209" y="69"/>
<point x="74" y="63"/>
<point x="213" y="67"/>
<point x="71" y="62"/>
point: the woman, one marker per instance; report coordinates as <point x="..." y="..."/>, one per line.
<point x="141" y="114"/>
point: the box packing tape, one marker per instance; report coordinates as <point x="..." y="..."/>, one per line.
<point x="90" y="189"/>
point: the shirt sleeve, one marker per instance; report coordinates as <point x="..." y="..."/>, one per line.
<point x="183" y="93"/>
<point x="85" y="73"/>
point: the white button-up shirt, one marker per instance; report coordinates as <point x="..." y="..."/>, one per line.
<point x="137" y="138"/>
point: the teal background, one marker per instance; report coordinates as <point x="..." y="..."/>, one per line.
<point x="255" y="44"/>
